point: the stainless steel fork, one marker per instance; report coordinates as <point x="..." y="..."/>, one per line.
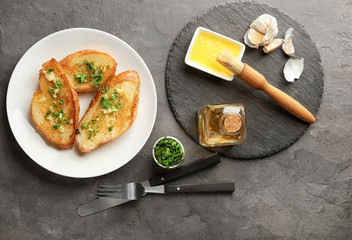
<point x="134" y="191"/>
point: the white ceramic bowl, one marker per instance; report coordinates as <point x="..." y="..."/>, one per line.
<point x="196" y="65"/>
<point x="182" y="160"/>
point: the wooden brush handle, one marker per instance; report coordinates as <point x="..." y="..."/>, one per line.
<point x="258" y="81"/>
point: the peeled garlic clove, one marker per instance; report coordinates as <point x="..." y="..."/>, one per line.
<point x="262" y="31"/>
<point x="275" y="44"/>
<point x="254" y="37"/>
<point x="293" y="69"/>
<point x="248" y="42"/>
<point x="287" y="46"/>
<point x="260" y="26"/>
<point x="267" y="19"/>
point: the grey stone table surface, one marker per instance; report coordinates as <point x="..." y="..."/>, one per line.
<point x="303" y="192"/>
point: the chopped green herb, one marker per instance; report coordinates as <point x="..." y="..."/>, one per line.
<point x="48" y="113"/>
<point x="56" y="125"/>
<point x="116" y="107"/>
<point x="103" y="98"/>
<point x="50" y="70"/>
<point x="91" y="132"/>
<point x="96" y="83"/>
<point x="83" y="126"/>
<point x="98" y="76"/>
<point x="55" y="114"/>
<point x="95" y="73"/>
<point x="108" y="66"/>
<point x="78" y="131"/>
<point x="168" y="152"/>
<point x="65" y="119"/>
<point x="93" y="121"/>
<point x="55" y="105"/>
<point x="81" y="77"/>
<point x="105" y="90"/>
<point x="61" y="101"/>
<point x="106" y="104"/>
<point x="90" y="66"/>
<point x="58" y="84"/>
<point x="114" y="96"/>
<point x="110" y="128"/>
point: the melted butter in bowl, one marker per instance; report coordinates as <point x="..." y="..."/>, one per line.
<point x="204" y="49"/>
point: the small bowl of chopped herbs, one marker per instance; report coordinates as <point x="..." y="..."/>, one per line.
<point x="168" y="152"/>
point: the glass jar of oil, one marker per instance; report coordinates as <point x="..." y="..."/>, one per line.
<point x="222" y="125"/>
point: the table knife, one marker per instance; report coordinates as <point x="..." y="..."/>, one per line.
<point x="104" y="203"/>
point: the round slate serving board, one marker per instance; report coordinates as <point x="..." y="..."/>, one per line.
<point x="270" y="128"/>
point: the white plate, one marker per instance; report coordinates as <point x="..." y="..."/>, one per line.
<point x="24" y="82"/>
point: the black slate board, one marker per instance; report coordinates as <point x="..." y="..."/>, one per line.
<point x="270" y="129"/>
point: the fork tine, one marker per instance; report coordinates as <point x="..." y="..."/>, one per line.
<point x="111" y="195"/>
<point x="109" y="186"/>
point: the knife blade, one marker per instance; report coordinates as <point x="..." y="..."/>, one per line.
<point x="104" y="203"/>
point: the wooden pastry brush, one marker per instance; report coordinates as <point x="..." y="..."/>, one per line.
<point x="258" y="81"/>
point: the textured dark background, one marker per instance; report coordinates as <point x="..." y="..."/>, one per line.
<point x="303" y="192"/>
<point x="270" y="128"/>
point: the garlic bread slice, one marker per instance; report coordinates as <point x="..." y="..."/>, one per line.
<point x="87" y="70"/>
<point x="111" y="112"/>
<point x="55" y="107"/>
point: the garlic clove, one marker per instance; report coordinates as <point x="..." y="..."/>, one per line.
<point x="262" y="31"/>
<point x="260" y="26"/>
<point x="293" y="69"/>
<point x="252" y="38"/>
<point x="267" y="19"/>
<point x="269" y="36"/>
<point x="287" y="46"/>
<point x="275" y="44"/>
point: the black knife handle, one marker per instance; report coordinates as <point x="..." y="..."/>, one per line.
<point x="186" y="169"/>
<point x="201" y="187"/>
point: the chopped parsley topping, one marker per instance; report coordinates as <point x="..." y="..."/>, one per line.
<point x="50" y="70"/>
<point x="61" y="101"/>
<point x="116" y="107"/>
<point x="57" y="117"/>
<point x="92" y="132"/>
<point x="81" y="77"/>
<point x="114" y="96"/>
<point x="108" y="66"/>
<point x="91" y="127"/>
<point x="90" y="66"/>
<point x="110" y="128"/>
<point x="58" y="84"/>
<point x="106" y="104"/>
<point x="48" y="113"/>
<point x="78" y="131"/>
<point x="105" y="90"/>
<point x="95" y="73"/>
<point x="168" y="152"/>
<point x="55" y="90"/>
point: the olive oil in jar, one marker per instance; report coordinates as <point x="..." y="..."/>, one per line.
<point x="222" y="125"/>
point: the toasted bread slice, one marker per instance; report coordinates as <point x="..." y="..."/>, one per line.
<point x="111" y="112"/>
<point x="55" y="107"/>
<point x="87" y="70"/>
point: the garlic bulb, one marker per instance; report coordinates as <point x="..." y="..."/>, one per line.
<point x="287" y="46"/>
<point x="262" y="31"/>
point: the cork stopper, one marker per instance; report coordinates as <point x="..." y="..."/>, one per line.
<point x="232" y="123"/>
